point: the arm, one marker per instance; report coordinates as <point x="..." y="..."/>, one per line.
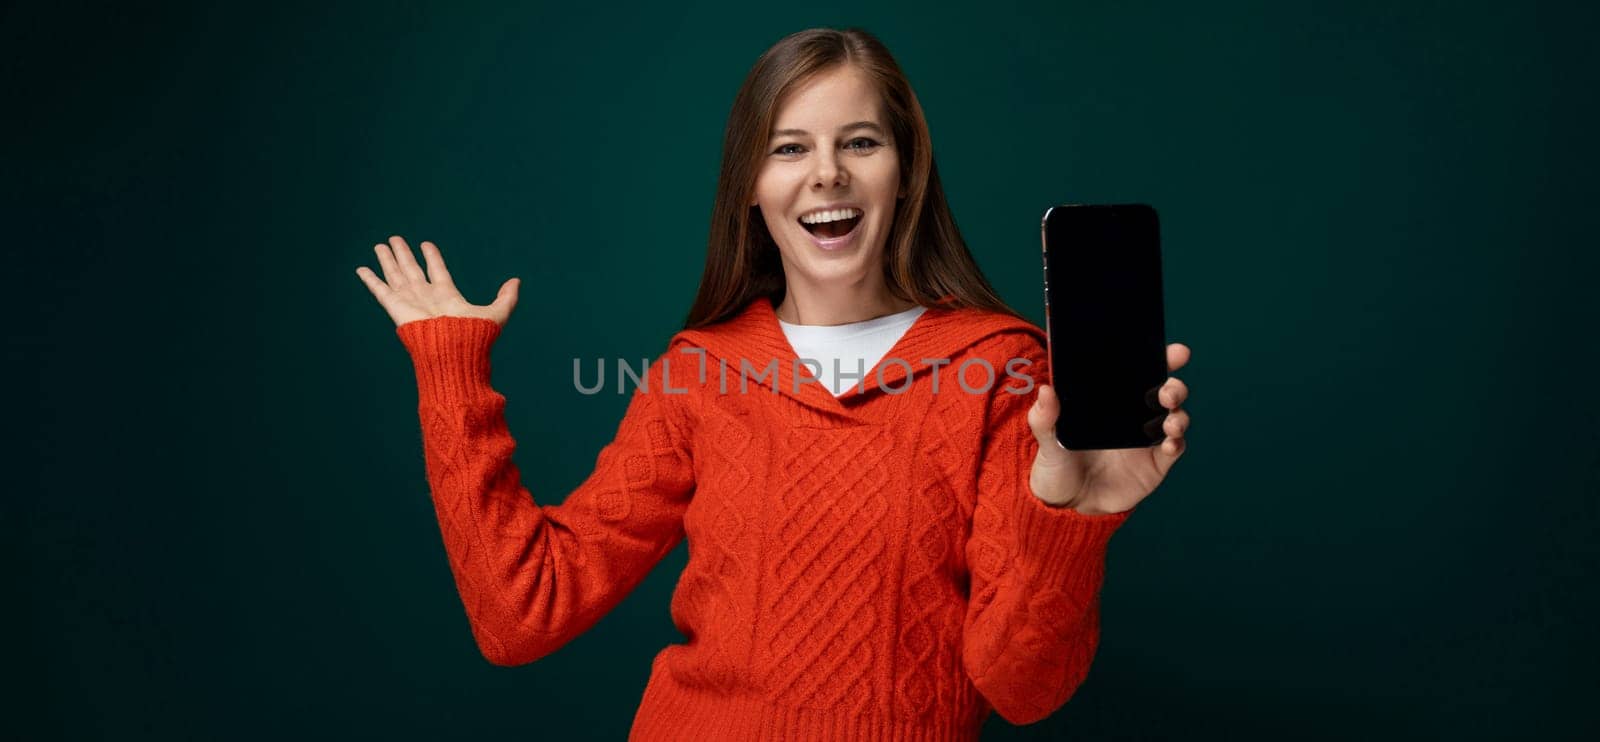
<point x="532" y="577"/>
<point x="1033" y="619"/>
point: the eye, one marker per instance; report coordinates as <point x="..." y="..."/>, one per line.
<point x="781" y="149"/>
<point x="869" y="143"/>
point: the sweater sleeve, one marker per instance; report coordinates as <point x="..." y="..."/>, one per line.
<point x="534" y="576"/>
<point x="1033" y="618"/>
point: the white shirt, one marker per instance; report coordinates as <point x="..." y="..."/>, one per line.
<point x="850" y="350"/>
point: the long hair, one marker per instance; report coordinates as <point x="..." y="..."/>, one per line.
<point x="925" y="260"/>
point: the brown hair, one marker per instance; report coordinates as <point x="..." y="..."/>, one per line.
<point x="925" y="259"/>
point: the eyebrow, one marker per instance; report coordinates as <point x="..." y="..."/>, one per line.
<point x="846" y="127"/>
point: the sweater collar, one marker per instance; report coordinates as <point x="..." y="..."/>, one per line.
<point x="938" y="335"/>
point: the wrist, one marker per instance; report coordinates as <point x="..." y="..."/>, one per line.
<point x="1082" y="505"/>
<point x="1091" y="509"/>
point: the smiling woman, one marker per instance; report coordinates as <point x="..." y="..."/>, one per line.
<point x="829" y="200"/>
<point x="839" y="186"/>
<point x="895" y="561"/>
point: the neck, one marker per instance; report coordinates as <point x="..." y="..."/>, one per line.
<point x="837" y="306"/>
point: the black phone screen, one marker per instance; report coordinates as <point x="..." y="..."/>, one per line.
<point x="1104" y="317"/>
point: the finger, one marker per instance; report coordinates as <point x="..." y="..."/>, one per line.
<point x="391" y="271"/>
<point x="506" y="300"/>
<point x="437" y="273"/>
<point x="1173" y="393"/>
<point x="1176" y="424"/>
<point x="379" y="289"/>
<point x="1167" y="453"/>
<point x="1177" y="355"/>
<point x="1042" y="416"/>
<point x="408" y="263"/>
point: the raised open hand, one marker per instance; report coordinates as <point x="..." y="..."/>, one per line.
<point x="409" y="295"/>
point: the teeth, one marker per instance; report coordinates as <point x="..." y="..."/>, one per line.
<point x="835" y="215"/>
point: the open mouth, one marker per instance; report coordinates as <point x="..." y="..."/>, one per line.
<point x="834" y="229"/>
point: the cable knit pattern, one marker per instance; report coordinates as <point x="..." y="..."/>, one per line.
<point x="871" y="566"/>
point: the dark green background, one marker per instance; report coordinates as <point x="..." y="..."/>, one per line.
<point x="1378" y="242"/>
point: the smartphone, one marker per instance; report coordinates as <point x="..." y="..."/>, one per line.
<point x="1105" y="324"/>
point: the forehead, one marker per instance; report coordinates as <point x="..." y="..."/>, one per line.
<point x="832" y="98"/>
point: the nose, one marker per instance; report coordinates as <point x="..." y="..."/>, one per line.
<point x="829" y="171"/>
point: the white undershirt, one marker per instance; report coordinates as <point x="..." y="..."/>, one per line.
<point x="851" y="349"/>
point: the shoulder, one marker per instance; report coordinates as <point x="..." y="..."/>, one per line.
<point x="1016" y="349"/>
<point x="667" y="388"/>
<point x="1000" y="337"/>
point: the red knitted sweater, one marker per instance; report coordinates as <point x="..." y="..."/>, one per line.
<point x="871" y="566"/>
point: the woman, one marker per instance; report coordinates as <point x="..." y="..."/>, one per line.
<point x="890" y="559"/>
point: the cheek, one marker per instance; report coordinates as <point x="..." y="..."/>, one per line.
<point x="888" y="177"/>
<point x="769" y="211"/>
<point x="772" y="191"/>
<point x="770" y="201"/>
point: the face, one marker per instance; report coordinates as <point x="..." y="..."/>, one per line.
<point x="830" y="155"/>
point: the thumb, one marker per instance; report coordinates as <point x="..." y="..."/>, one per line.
<point x="506" y="299"/>
<point x="1042" y="417"/>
